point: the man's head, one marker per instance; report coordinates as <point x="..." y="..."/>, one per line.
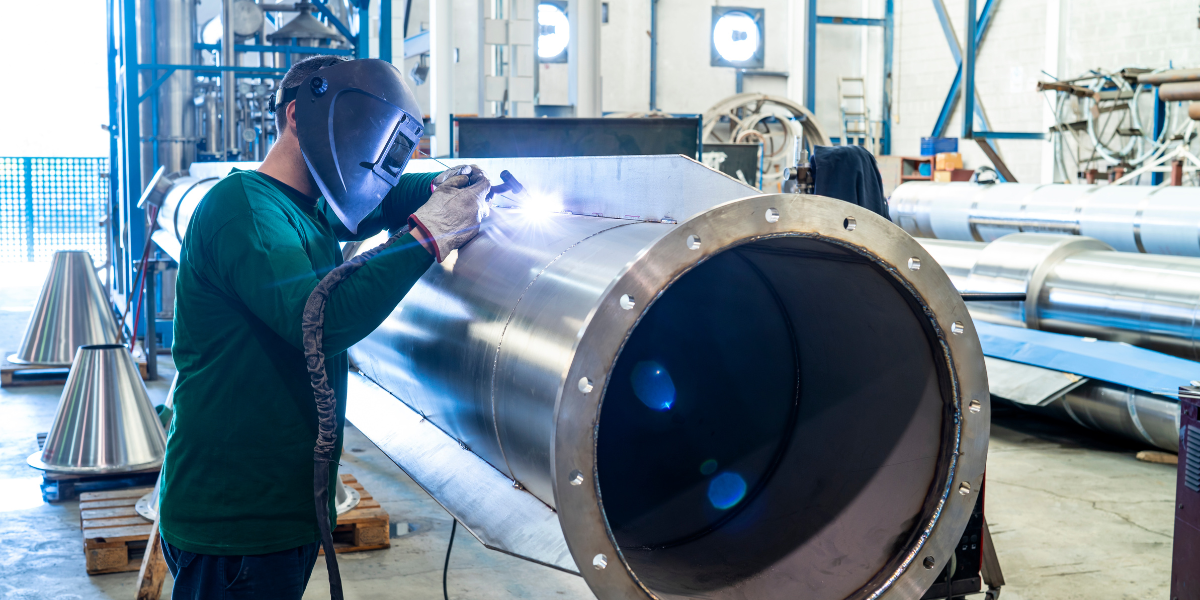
<point x="354" y="123"/>
<point x="295" y="76"/>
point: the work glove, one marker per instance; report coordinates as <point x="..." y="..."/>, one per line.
<point x="453" y="213"/>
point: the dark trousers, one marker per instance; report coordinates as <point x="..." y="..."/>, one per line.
<point x="282" y="575"/>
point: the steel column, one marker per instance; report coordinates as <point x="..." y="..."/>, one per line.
<point x="810" y="59"/>
<point x="968" y="67"/>
<point x="385" y="30"/>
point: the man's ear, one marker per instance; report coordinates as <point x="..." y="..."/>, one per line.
<point x="290" y="111"/>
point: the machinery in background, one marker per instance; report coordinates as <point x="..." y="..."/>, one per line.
<point x="1154" y="220"/>
<point x="1122" y="121"/>
<point x="579" y="344"/>
<point x="1185" y="577"/>
<point x="781" y="126"/>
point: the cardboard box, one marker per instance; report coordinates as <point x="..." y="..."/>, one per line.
<point x="943" y="176"/>
<point x="948" y="161"/>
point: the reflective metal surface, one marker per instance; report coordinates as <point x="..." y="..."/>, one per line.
<point x="105" y="422"/>
<point x="1130" y="218"/>
<point x="72" y="311"/>
<point x="501" y="516"/>
<point x="1079" y="286"/>
<point x="509" y="348"/>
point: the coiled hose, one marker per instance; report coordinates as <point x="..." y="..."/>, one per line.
<point x="313" y="328"/>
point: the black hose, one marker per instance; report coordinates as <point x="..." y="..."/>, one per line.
<point x="313" y="328"/>
<point x="446" y="566"/>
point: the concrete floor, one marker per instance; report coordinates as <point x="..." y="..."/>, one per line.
<point x="1073" y="516"/>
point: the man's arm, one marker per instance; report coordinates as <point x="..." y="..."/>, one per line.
<point x="259" y="258"/>
<point x="391" y="214"/>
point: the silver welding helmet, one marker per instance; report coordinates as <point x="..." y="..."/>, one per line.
<point x="357" y="123"/>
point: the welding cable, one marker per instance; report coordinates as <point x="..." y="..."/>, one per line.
<point x="313" y="328"/>
<point x="152" y="212"/>
<point x="446" y="566"/>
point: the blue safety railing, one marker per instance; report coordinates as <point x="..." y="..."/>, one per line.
<point x="49" y="204"/>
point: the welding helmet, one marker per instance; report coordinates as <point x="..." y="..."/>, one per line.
<point x="358" y="124"/>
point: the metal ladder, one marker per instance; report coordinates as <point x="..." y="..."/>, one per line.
<point x="857" y="127"/>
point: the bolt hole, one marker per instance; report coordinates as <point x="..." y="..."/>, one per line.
<point x="693" y="242"/>
<point x="957" y="328"/>
<point x="929" y="562"/>
<point x="914" y="264"/>
<point x="964" y="488"/>
<point x="772" y="215"/>
<point x="576" y="477"/>
<point x="975" y="406"/>
<point x="585" y="385"/>
<point x="849" y="223"/>
<point x="600" y="561"/>
<point x="627" y="302"/>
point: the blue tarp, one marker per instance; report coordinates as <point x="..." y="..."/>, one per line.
<point x="1113" y="362"/>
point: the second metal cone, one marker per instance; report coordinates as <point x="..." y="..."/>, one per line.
<point x="105" y="422"/>
<point x="72" y="311"/>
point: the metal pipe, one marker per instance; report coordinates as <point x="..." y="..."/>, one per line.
<point x="1130" y="218"/>
<point x="704" y="373"/>
<point x="1170" y="76"/>
<point x="1184" y="90"/>
<point x="176" y="25"/>
<point x="228" y="85"/>
<point x="1080" y="286"/>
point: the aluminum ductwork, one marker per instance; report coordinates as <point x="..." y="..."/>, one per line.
<point x="1130" y="218"/>
<point x="1080" y="286"/>
<point x="645" y="374"/>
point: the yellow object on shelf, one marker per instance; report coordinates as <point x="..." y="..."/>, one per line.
<point x="948" y="161"/>
<point x="942" y="176"/>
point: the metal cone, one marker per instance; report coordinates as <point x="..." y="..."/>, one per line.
<point x="147" y="506"/>
<point x="72" y="311"/>
<point x="105" y="422"/>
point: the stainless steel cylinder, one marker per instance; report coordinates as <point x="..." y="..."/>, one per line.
<point x="782" y="396"/>
<point x="170" y="106"/>
<point x="1080" y="286"/>
<point x="1130" y="218"/>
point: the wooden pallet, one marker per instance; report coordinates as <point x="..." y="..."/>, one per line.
<point x="363" y="528"/>
<point x="14" y="375"/>
<point x="115" y="536"/>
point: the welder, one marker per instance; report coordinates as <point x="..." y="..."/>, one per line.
<point x="237" y="509"/>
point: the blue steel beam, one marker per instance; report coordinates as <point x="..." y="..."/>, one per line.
<point x="1007" y="135"/>
<point x="132" y="217"/>
<point x="281" y="48"/>
<point x="968" y="64"/>
<point x="333" y="20"/>
<point x="154" y="86"/>
<point x="114" y="140"/>
<point x="985" y="20"/>
<point x="851" y="21"/>
<point x="385" y="30"/>
<point x="888" y="37"/>
<point x="810" y="59"/>
<point x="215" y="69"/>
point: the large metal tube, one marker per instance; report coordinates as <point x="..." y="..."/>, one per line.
<point x="706" y="379"/>
<point x="1130" y="218"/>
<point x="746" y="388"/>
<point x="1080" y="286"/>
<point x="228" y="81"/>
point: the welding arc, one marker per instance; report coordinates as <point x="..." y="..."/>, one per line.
<point x="313" y="328"/>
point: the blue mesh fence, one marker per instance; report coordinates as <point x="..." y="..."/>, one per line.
<point x="50" y="204"/>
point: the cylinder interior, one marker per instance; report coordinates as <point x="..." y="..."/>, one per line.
<point x="774" y="427"/>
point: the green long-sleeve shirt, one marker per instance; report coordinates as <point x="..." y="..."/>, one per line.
<point x="239" y="464"/>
